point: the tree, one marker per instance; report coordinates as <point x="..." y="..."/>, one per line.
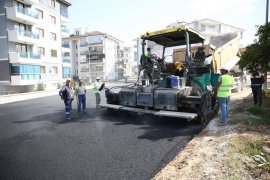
<point x="257" y="55"/>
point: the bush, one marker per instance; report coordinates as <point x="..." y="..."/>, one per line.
<point x="40" y="87"/>
<point x="59" y="85"/>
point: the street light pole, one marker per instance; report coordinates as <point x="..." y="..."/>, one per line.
<point x="266" y="19"/>
<point x="266" y="23"/>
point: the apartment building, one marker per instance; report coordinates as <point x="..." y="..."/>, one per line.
<point x="125" y="60"/>
<point x="30" y="40"/>
<point x="211" y="29"/>
<point x="93" y="54"/>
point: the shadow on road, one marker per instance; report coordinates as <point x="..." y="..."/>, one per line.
<point x="154" y="127"/>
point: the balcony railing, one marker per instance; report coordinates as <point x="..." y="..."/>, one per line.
<point x="28" y="34"/>
<point x="65" y="30"/>
<point x="64" y="13"/>
<point x="84" y="52"/>
<point x="30" y="55"/>
<point x="85" y="70"/>
<point x="83" y="43"/>
<point x="66" y="60"/>
<point x="65" y="46"/>
<point x="27" y="12"/>
<point x="66" y="76"/>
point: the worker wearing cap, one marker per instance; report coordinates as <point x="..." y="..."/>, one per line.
<point x="223" y="90"/>
<point x="149" y="56"/>
<point x="66" y="95"/>
<point x="80" y="92"/>
<point x="96" y="88"/>
<point x="256" y="85"/>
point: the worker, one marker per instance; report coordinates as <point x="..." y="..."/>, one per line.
<point x="149" y="56"/>
<point x="223" y="90"/>
<point x="256" y="85"/>
<point x="66" y="96"/>
<point x="200" y="54"/>
<point x="81" y="92"/>
<point x="97" y="87"/>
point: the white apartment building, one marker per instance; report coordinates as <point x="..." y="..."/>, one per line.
<point x="211" y="28"/>
<point x="125" y="62"/>
<point x="94" y="54"/>
<point x="30" y="39"/>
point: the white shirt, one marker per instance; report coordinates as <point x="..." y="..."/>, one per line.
<point x="81" y="90"/>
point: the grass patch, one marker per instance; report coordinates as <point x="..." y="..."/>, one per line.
<point x="239" y="109"/>
<point x="261" y="116"/>
<point x="253" y="148"/>
<point x="250" y="121"/>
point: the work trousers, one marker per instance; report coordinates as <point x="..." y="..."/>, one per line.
<point x="81" y="104"/>
<point x="257" y="95"/>
<point x="97" y="99"/>
<point x="68" y="108"/>
<point x="224" y="108"/>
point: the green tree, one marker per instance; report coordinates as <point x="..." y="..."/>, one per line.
<point x="257" y="55"/>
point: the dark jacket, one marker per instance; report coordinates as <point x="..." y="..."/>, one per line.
<point x="257" y="80"/>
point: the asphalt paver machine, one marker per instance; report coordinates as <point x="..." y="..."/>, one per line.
<point x="179" y="89"/>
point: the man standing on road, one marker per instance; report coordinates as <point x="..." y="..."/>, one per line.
<point x="81" y="91"/>
<point x="223" y="89"/>
<point x="66" y="95"/>
<point x="97" y="87"/>
<point x="256" y="85"/>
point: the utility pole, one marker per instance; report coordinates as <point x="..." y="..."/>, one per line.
<point x="266" y="23"/>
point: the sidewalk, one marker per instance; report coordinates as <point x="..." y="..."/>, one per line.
<point x="4" y="99"/>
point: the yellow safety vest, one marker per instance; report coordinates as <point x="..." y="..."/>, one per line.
<point x="224" y="89"/>
<point x="147" y="54"/>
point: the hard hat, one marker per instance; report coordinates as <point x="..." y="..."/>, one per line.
<point x="224" y="68"/>
<point x="97" y="77"/>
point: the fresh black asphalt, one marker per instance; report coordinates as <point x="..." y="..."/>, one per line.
<point x="36" y="142"/>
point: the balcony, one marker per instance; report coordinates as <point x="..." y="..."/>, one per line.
<point x="84" y="69"/>
<point x="29" y="2"/>
<point x="84" y="52"/>
<point x="66" y="62"/>
<point x="23" y="36"/>
<point x="66" y="75"/>
<point x="23" y="15"/>
<point x="65" y="32"/>
<point x="65" y="47"/>
<point x="25" y="79"/>
<point x="24" y="57"/>
<point x="64" y="17"/>
<point x="97" y="57"/>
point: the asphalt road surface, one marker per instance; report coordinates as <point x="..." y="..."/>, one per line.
<point x="36" y="142"/>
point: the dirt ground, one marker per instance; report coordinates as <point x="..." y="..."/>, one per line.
<point x="212" y="153"/>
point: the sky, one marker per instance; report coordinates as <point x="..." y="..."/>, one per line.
<point x="128" y="19"/>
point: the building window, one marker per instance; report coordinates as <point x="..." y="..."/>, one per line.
<point x="66" y="72"/>
<point x="53" y="19"/>
<point x="54" y="70"/>
<point x="40" y="14"/>
<point x="21" y="48"/>
<point x="42" y="69"/>
<point x="52" y="3"/>
<point x="40" y="32"/>
<point x="27" y="72"/>
<point x="53" y="36"/>
<point x="41" y="51"/>
<point x="53" y="53"/>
